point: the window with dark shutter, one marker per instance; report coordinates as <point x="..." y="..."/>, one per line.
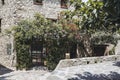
<point x="3" y="2"/>
<point x="64" y="3"/>
<point x="0" y="25"/>
<point x="38" y="2"/>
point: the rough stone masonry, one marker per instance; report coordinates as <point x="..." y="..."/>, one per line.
<point x="11" y="12"/>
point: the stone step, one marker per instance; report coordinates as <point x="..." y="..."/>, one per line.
<point x="39" y="68"/>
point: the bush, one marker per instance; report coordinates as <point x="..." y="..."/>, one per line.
<point x="53" y="36"/>
<point x="23" y="56"/>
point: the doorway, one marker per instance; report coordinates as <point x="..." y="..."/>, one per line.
<point x="37" y="53"/>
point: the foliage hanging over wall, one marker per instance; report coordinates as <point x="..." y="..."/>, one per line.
<point x="87" y="18"/>
<point x="53" y="35"/>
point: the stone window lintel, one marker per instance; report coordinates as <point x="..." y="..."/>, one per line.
<point x="64" y="4"/>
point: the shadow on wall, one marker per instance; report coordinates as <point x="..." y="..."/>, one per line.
<point x="90" y="76"/>
<point x="4" y="70"/>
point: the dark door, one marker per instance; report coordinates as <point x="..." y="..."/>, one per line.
<point x="37" y="53"/>
<point x="73" y="53"/>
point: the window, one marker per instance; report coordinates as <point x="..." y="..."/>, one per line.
<point x="9" y="47"/>
<point x="38" y="2"/>
<point x="0" y="24"/>
<point x="3" y="2"/>
<point x="64" y="4"/>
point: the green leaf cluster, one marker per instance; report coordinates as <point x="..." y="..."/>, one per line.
<point x="53" y="35"/>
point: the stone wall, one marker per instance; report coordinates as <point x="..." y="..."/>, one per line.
<point x="84" y="61"/>
<point x="15" y="10"/>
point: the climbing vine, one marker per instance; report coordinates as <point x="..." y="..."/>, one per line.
<point x="54" y="36"/>
<point x="58" y="37"/>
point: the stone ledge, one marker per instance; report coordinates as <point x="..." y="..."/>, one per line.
<point x="84" y="61"/>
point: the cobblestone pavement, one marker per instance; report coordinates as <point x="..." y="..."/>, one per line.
<point x="99" y="71"/>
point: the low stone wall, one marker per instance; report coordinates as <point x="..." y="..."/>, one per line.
<point x="88" y="60"/>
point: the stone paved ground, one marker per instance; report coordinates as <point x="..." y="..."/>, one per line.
<point x="25" y="75"/>
<point x="100" y="71"/>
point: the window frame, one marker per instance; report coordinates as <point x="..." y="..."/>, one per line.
<point x="64" y="4"/>
<point x="3" y="2"/>
<point x="0" y="25"/>
<point x="38" y="2"/>
<point x="9" y="48"/>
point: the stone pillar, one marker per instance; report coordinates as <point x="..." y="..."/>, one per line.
<point x="117" y="48"/>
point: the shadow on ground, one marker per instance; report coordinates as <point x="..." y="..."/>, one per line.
<point x="5" y="78"/>
<point x="89" y="76"/>
<point x="4" y="70"/>
<point x="117" y="64"/>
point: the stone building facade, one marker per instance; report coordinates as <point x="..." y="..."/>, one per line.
<point x="12" y="11"/>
